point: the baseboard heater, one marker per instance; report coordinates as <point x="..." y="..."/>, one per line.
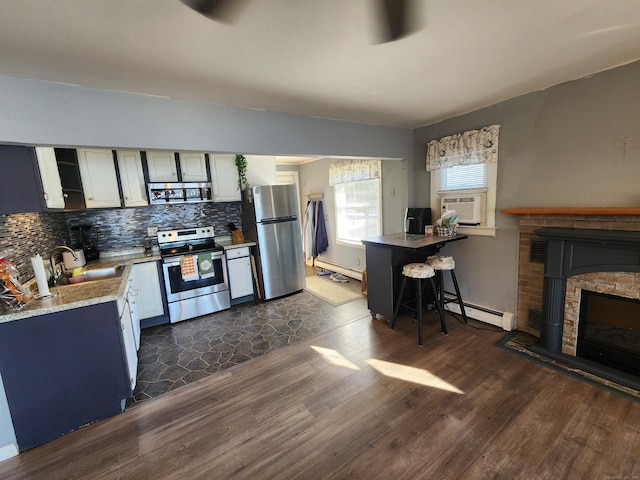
<point x="349" y="272"/>
<point x="504" y="320"/>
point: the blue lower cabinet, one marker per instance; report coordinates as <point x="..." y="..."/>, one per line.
<point x="62" y="371"/>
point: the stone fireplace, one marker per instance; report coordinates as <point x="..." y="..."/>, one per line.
<point x="611" y="256"/>
<point x="566" y="253"/>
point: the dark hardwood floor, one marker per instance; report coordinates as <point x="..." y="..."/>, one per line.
<point x="362" y="402"/>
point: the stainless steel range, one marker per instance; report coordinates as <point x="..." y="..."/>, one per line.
<point x="195" y="273"/>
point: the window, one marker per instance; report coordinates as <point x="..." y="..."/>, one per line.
<point x="357" y="199"/>
<point x="464" y="178"/>
<point x="358" y="212"/>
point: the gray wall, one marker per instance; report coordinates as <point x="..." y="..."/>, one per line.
<point x="7" y="434"/>
<point x="45" y="113"/>
<point x="572" y="145"/>
<point x="575" y="144"/>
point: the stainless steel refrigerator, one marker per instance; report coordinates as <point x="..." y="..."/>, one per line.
<point x="270" y="217"/>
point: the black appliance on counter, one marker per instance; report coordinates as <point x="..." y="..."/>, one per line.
<point x="415" y="219"/>
<point x="88" y="241"/>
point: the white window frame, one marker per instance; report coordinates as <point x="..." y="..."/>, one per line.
<point x="487" y="227"/>
<point x="357" y="243"/>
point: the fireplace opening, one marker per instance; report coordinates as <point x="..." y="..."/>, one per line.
<point x="609" y="331"/>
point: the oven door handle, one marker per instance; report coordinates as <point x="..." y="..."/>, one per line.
<point x="175" y="261"/>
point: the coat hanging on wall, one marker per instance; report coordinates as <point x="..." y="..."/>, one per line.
<point x="315" y="230"/>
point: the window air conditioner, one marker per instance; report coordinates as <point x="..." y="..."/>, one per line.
<point x="468" y="207"/>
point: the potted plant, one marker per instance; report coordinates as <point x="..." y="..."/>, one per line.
<point x="241" y="164"/>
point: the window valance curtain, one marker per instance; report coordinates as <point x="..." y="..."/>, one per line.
<point x="345" y="171"/>
<point x="468" y="148"/>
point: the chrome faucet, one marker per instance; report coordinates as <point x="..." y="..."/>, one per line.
<point x="52" y="262"/>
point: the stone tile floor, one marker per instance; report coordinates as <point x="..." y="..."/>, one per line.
<point x="173" y="355"/>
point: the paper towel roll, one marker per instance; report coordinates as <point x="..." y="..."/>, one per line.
<point x="41" y="276"/>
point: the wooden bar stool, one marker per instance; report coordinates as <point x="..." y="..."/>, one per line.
<point x="417" y="271"/>
<point x="441" y="263"/>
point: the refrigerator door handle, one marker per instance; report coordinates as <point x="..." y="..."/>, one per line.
<point x="268" y="221"/>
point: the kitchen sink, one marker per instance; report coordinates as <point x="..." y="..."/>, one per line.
<point x="102" y="273"/>
<point x="95" y="274"/>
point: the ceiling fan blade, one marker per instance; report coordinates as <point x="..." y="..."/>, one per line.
<point x="214" y="9"/>
<point x="394" y="18"/>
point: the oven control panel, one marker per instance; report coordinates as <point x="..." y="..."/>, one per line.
<point x="185" y="234"/>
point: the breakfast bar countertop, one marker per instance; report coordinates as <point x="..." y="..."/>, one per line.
<point x="386" y="255"/>
<point x="410" y="240"/>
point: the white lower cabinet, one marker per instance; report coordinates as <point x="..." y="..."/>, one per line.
<point x="147" y="290"/>
<point x="240" y="272"/>
<point x="130" y="333"/>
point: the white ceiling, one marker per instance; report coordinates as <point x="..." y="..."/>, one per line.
<point x="321" y="57"/>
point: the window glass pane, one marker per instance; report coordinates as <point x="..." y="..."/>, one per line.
<point x="357" y="210"/>
<point x="464" y="176"/>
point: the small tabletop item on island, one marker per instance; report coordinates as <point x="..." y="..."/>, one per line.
<point x="428" y="230"/>
<point x="11" y="291"/>
<point x="447" y="225"/>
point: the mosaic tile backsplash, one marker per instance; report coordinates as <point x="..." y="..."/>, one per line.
<point x="126" y="228"/>
<point x="24" y="235"/>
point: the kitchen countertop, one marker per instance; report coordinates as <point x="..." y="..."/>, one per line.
<point x="91" y="292"/>
<point x="81" y="294"/>
<point x="228" y="245"/>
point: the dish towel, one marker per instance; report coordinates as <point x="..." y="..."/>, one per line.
<point x="205" y="265"/>
<point x="188" y="268"/>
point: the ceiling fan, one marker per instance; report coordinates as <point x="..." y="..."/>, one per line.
<point x="394" y="14"/>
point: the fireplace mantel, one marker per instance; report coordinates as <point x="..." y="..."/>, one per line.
<point x="600" y="211"/>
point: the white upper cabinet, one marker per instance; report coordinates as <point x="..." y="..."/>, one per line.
<point x="132" y="178"/>
<point x="51" y="184"/>
<point x="162" y="166"/>
<point x="99" y="180"/>
<point x="224" y="175"/>
<point x="193" y="167"/>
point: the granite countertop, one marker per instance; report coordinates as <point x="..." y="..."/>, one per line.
<point x="81" y="294"/>
<point x="93" y="292"/>
<point x="228" y="245"/>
